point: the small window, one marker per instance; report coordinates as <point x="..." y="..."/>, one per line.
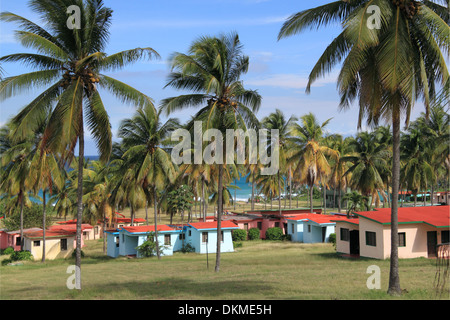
<point x="63" y="244"/>
<point x="402" y="239"/>
<point x="96" y="230"/>
<point x="309" y="228"/>
<point x="18" y="241"/>
<point x="190" y="233"/>
<point x="37" y="243"/>
<point x="221" y="236"/>
<point x="371" y="238"/>
<point x="445" y="236"/>
<point x="259" y="224"/>
<point x="277" y="224"/>
<point x="117" y="242"/>
<point x="293" y="228"/>
<point x="345" y="234"/>
<point x="204" y="236"/>
<point x="246" y="226"/>
<point x="182" y="236"/>
<point x="167" y="239"/>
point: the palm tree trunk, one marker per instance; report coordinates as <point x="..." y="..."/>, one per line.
<point x="146" y="211"/>
<point x="340" y="198"/>
<point x="156" y="224"/>
<point x="324" y="199"/>
<point x="394" y="279"/>
<point x="253" y="190"/>
<point x="43" y="225"/>
<point x="21" y="219"/>
<point x="203" y="201"/>
<point x="290" y="189"/>
<point x="311" y="198"/>
<point x="79" y="202"/>
<point x="279" y="192"/>
<point x="219" y="216"/>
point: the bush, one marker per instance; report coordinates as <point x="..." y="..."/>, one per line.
<point x="254" y="234"/>
<point x="7" y="251"/>
<point x="21" y="255"/>
<point x="6" y="262"/>
<point x="332" y="239"/>
<point x="74" y="253"/>
<point x="187" y="248"/>
<point x="274" y="234"/>
<point x="239" y="235"/>
<point x="237" y="244"/>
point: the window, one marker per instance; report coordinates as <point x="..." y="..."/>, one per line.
<point x="293" y="228"/>
<point x="445" y="236"/>
<point x="37" y="243"/>
<point x="167" y="239"/>
<point x="96" y="230"/>
<point x="204" y="236"/>
<point x="277" y="224"/>
<point x="371" y="238"/>
<point x="246" y="226"/>
<point x="18" y="241"/>
<point x="259" y="224"/>
<point x="117" y="242"/>
<point x="345" y="234"/>
<point x="309" y="228"/>
<point x="190" y="233"/>
<point x="402" y="239"/>
<point x="63" y="244"/>
<point x="182" y="236"/>
<point x="221" y="236"/>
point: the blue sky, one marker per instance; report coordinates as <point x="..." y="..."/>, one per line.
<point x="278" y="69"/>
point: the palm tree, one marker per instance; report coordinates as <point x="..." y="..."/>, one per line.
<point x="212" y="70"/>
<point x="70" y="62"/>
<point x="310" y="151"/>
<point x="385" y="66"/>
<point x="151" y="164"/>
<point x="277" y="121"/>
<point x="355" y="201"/>
<point x="368" y="159"/>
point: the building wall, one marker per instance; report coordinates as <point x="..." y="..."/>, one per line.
<point x="52" y="248"/>
<point x="341" y="245"/>
<point x="112" y="249"/>
<point x="195" y="240"/>
<point x="377" y="251"/>
<point x="297" y="235"/>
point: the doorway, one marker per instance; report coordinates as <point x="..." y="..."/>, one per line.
<point x="354" y="242"/>
<point x="431" y="243"/>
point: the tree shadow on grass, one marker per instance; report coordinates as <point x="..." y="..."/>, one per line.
<point x="178" y="288"/>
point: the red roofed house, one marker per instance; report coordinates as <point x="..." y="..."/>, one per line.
<point x="59" y="244"/>
<point x="203" y="236"/>
<point x="420" y="230"/>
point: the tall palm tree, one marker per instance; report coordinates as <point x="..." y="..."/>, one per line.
<point x="277" y="121"/>
<point x="212" y="70"/>
<point x="368" y="159"/>
<point x="69" y="62"/>
<point x="152" y="166"/>
<point x="310" y="151"/>
<point x="385" y="65"/>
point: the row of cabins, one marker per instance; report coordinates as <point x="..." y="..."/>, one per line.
<point x="201" y="236"/>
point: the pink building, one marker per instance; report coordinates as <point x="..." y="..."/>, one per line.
<point x="421" y="231"/>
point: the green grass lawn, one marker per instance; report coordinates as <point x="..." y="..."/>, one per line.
<point x="259" y="270"/>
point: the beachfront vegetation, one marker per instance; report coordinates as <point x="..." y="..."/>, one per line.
<point x="37" y="145"/>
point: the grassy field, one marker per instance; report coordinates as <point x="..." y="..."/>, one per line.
<point x="260" y="270"/>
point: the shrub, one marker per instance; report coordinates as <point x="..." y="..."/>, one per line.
<point x="239" y="235"/>
<point x="74" y="253"/>
<point x="187" y="248"/>
<point x="148" y="248"/>
<point x="332" y="239"/>
<point x="274" y="234"/>
<point x="6" y="262"/>
<point x="7" y="251"/>
<point x="21" y="255"/>
<point x="237" y="244"/>
<point x="254" y="234"/>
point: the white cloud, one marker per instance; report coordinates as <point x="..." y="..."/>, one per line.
<point x="290" y="81"/>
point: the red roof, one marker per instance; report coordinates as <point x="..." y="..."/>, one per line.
<point x="437" y="216"/>
<point x="128" y="220"/>
<point x="145" y="229"/>
<point x="305" y="216"/>
<point x="50" y="234"/>
<point x="70" y="227"/>
<point x="212" y="225"/>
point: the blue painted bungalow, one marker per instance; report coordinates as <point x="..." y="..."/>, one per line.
<point x="312" y="228"/>
<point x="124" y="241"/>
<point x="203" y="236"/>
